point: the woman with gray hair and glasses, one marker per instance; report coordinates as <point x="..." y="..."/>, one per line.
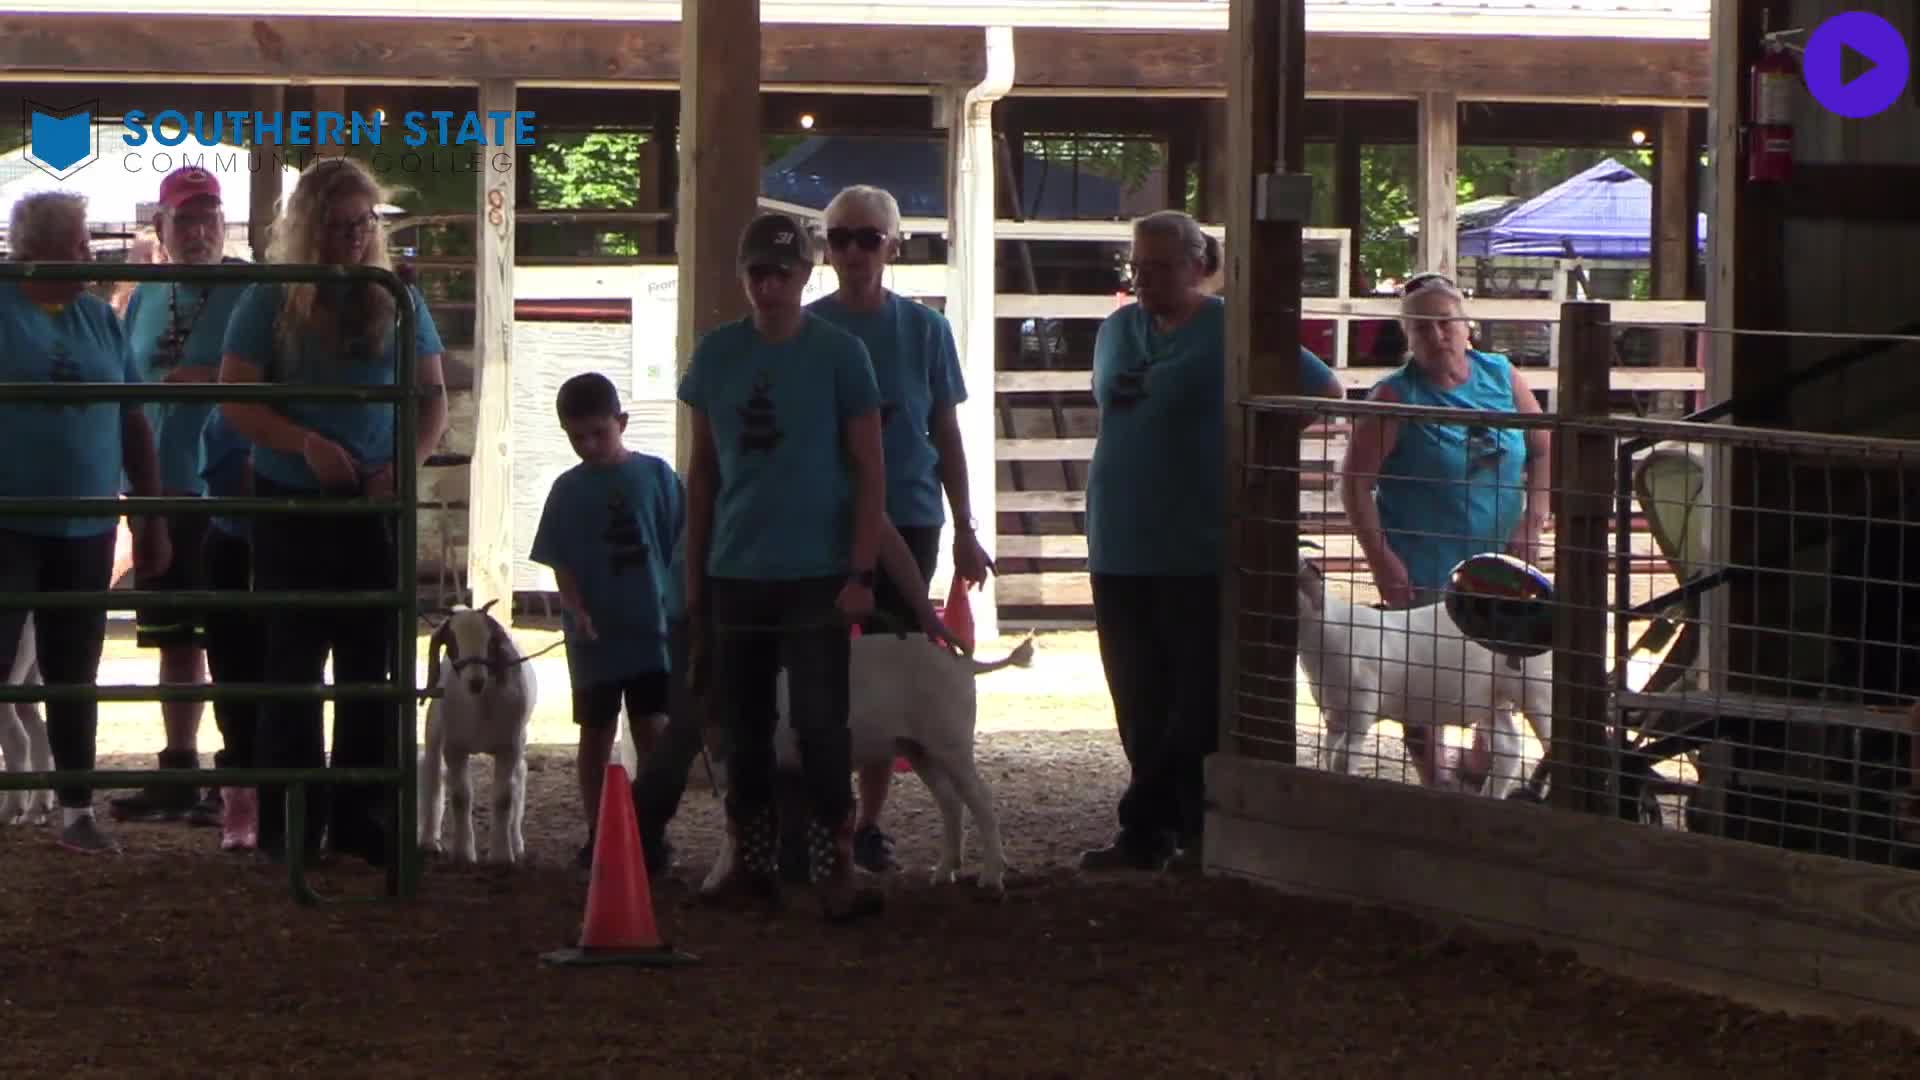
<point x="56" y="331"/>
<point x="1422" y="496"/>
<point x="1156" y="532"/>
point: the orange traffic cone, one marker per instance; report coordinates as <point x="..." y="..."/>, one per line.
<point x="619" y="928"/>
<point x="959" y="613"/>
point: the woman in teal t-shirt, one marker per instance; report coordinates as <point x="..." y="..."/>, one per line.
<point x="1423" y="496"/>
<point x="328" y="334"/>
<point x="1156" y="531"/>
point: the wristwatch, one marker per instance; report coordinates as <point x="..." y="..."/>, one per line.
<point x="862" y="577"/>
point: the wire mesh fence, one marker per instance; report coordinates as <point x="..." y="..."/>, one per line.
<point x="1691" y="626"/>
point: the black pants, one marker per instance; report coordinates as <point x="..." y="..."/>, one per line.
<point x="889" y="600"/>
<point x="1160" y="645"/>
<point x="319" y="552"/>
<point x="236" y="647"/>
<point x="67" y="640"/>
<point x="759" y="628"/>
<point x="662" y="782"/>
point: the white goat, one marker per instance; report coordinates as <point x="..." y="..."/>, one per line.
<point x="914" y="698"/>
<point x="23" y="738"/>
<point x="486" y="707"/>
<point x="1416" y="666"/>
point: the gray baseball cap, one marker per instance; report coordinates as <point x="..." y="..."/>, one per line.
<point x="775" y="240"/>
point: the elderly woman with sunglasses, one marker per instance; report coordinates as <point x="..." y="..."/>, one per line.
<point x="918" y="369"/>
<point x="1423" y="496"/>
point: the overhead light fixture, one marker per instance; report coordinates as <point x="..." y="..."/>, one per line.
<point x="806" y="121"/>
<point x="1639" y="137"/>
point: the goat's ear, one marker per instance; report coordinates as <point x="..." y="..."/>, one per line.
<point x="497" y="651"/>
<point x="435" y="646"/>
<point x="1312" y="586"/>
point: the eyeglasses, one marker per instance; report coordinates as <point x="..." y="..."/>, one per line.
<point x="353" y="227"/>
<point x="1483" y="448"/>
<point x="1422" y="280"/>
<point x="762" y="271"/>
<point x="868" y="237"/>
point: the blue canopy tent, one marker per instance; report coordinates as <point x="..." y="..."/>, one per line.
<point x="1605" y="212"/>
<point x="915" y="171"/>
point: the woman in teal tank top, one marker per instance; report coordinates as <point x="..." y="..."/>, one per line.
<point x="1421" y="497"/>
<point x="1424" y="496"/>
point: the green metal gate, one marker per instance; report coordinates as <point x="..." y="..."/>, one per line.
<point x="402" y="779"/>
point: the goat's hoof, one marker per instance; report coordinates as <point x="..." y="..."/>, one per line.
<point x="945" y="875"/>
<point x="994" y="880"/>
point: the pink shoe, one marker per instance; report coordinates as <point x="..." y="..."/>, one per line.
<point x="240" y="819"/>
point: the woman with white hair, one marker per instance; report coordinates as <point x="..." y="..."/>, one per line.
<point x="918" y="369"/>
<point x="1156" y="532"/>
<point x="1423" y="496"/>
<point x="328" y="334"/>
<point x="56" y="331"/>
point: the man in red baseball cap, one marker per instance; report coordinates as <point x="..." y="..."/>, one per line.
<point x="176" y="332"/>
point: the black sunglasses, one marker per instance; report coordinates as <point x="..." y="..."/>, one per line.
<point x="1420" y="281"/>
<point x="868" y="237"/>
<point x="763" y="271"/>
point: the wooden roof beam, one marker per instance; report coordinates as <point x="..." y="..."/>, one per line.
<point x="553" y="53"/>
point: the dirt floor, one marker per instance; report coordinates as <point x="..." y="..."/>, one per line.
<point x="174" y="959"/>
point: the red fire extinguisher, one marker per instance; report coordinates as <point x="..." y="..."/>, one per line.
<point x="1770" y="135"/>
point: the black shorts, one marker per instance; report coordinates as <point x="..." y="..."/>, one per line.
<point x="597" y="707"/>
<point x="165" y="628"/>
<point x="888" y="601"/>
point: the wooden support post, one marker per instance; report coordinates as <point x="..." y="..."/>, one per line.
<point x="1673" y="232"/>
<point x="491" y="554"/>
<point x="331" y="99"/>
<point x="659" y="174"/>
<point x="1267" y="99"/>
<point x="1438" y="182"/>
<point x="972" y="281"/>
<point x="265" y="166"/>
<point x="1183" y="150"/>
<point x="719" y="190"/>
<point x="1216" y="161"/>
<point x="1349" y="202"/>
<point x="1583" y="467"/>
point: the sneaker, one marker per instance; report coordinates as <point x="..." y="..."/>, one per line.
<point x="160" y="802"/>
<point x="1127" y="852"/>
<point x="873" y="850"/>
<point x="240" y="819"/>
<point x="85" y="837"/>
<point x="209" y="812"/>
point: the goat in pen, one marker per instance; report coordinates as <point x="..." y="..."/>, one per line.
<point x="1416" y="666"/>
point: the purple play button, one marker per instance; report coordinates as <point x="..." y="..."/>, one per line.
<point x="1856" y="64"/>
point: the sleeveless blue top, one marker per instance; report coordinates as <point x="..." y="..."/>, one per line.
<point x="1448" y="492"/>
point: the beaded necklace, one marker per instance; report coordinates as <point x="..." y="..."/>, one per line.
<point x="174" y="343"/>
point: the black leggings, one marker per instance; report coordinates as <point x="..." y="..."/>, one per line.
<point x="66" y="640"/>
<point x="236" y="647"/>
<point x="759" y="628"/>
<point x="1160" y="645"/>
<point x="316" y="552"/>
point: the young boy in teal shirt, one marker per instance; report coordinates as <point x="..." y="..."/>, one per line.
<point x="608" y="532"/>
